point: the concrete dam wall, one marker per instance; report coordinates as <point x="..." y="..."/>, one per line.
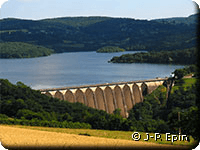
<point x="107" y="97"/>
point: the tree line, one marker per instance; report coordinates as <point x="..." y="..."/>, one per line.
<point x="186" y="56"/>
<point x="110" y="49"/>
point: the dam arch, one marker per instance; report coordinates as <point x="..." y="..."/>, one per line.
<point x="120" y="100"/>
<point x="90" y="98"/>
<point x="137" y="93"/>
<point x="128" y="97"/>
<point x="69" y="96"/>
<point x="59" y="95"/>
<point x="151" y="86"/>
<point x="100" y="97"/>
<point x="80" y="97"/>
<point x="110" y="99"/>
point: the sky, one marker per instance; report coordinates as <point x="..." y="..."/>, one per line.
<point x="137" y="9"/>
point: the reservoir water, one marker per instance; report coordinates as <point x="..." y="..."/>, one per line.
<point x="81" y="68"/>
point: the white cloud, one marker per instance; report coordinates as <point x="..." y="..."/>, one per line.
<point x="2" y="2"/>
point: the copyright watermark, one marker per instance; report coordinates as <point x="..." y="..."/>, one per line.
<point x="136" y="136"/>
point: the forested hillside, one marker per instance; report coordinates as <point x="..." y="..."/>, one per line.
<point x="184" y="57"/>
<point x="91" y="33"/>
<point x="22" y="50"/>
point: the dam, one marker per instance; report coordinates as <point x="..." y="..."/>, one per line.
<point x="108" y="96"/>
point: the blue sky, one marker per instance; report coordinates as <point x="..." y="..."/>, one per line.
<point x="138" y="9"/>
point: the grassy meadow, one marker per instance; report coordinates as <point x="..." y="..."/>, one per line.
<point x="187" y="82"/>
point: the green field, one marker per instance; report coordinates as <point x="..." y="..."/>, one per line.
<point x="187" y="82"/>
<point x="125" y="135"/>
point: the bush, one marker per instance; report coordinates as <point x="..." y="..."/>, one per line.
<point x="28" y="114"/>
<point x="3" y="116"/>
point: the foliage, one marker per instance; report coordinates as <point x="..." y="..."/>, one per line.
<point x="187" y="56"/>
<point x="159" y="114"/>
<point x="188" y="120"/>
<point x="110" y="49"/>
<point x="180" y="73"/>
<point x="22" y="50"/>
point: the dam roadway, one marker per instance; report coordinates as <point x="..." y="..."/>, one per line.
<point x="108" y="96"/>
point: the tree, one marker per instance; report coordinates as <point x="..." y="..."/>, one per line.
<point x="66" y="117"/>
<point x="97" y="121"/>
<point x="115" y="122"/>
<point x="189" y="123"/>
<point x="180" y="73"/>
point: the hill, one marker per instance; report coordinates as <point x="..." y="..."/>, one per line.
<point x="184" y="57"/>
<point x="179" y="20"/>
<point x="71" y="34"/>
<point x="22" y="50"/>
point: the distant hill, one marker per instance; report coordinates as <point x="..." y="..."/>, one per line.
<point x="77" y="21"/>
<point x="110" y="49"/>
<point x="71" y="34"/>
<point x="179" y="20"/>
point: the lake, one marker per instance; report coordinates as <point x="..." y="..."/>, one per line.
<point x="80" y="68"/>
